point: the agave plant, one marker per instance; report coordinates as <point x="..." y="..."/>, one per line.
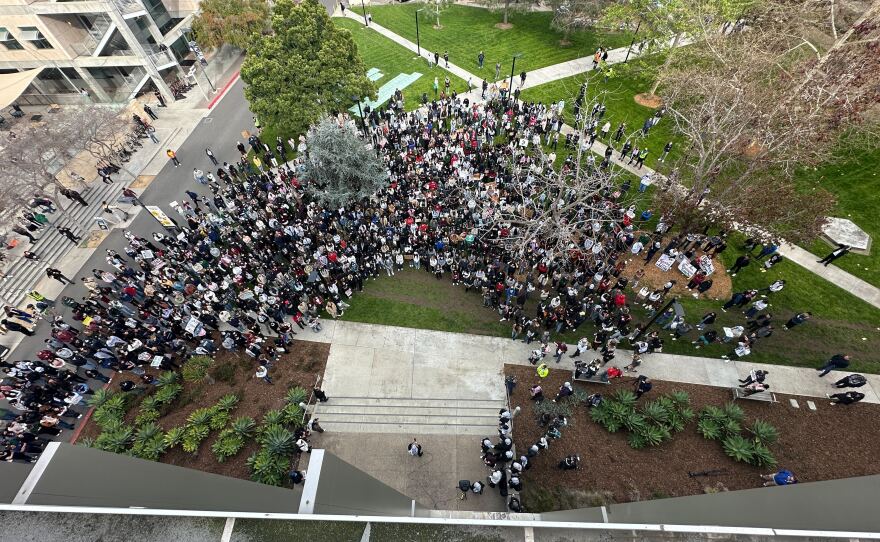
<point x="268" y="469"/>
<point x="100" y="397"/>
<point x="296" y="396"/>
<point x="680" y="398"/>
<point x="709" y="428"/>
<point x="116" y="441"/>
<point x="166" y="378"/>
<point x="168" y="393"/>
<point x="714" y="413"/>
<point x="278" y="441"/>
<point x="219" y="419"/>
<point x="227" y="402"/>
<point x="734" y="412"/>
<point x="739" y="448"/>
<point x="228" y="444"/>
<point x="244" y="427"/>
<point x="764" y="433"/>
<point x="193" y="437"/>
<point x="146" y="416"/>
<point x="200" y="417"/>
<point x="147" y="432"/>
<point x="762" y="457"/>
<point x="273" y="417"/>
<point x="196" y="368"/>
<point x="625" y="397"/>
<point x="174" y="436"/>
<point x="655" y="412"/>
<point x="107" y="418"/>
<point x="293" y="414"/>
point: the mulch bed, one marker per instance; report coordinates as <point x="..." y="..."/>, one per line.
<point x="833" y="442"/>
<point x="301" y="367"/>
<point x="655" y="278"/>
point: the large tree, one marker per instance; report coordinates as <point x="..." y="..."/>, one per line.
<point x="573" y="15"/>
<point x="235" y="22"/>
<point x="758" y="105"/>
<point x="306" y="67"/>
<point x="340" y="168"/>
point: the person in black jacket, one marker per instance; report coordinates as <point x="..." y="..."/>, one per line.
<point x="851" y="381"/>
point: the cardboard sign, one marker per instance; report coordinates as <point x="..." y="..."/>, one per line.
<point x="664" y="262"/>
<point x="686" y="268"/>
<point x="160" y="215"/>
<point x="707" y="265"/>
<point x="192" y="325"/>
<point x="147" y="254"/>
<point x="157" y="361"/>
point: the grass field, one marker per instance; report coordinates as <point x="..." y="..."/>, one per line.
<point x="416" y="299"/>
<point x="855" y="182"/>
<point x="378" y="51"/>
<point x="617" y="94"/>
<point x="468" y="30"/>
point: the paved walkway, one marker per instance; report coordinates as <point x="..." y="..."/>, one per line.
<point x="371" y="359"/>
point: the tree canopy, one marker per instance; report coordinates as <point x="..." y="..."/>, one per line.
<point x="235" y="22"/>
<point x="306" y="67"/>
<point x="340" y="169"/>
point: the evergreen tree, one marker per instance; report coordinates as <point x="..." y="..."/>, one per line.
<point x="340" y="168"/>
<point x="306" y="67"/>
<point x="235" y="22"/>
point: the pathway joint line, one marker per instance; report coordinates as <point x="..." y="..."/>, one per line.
<point x="227" y="530"/>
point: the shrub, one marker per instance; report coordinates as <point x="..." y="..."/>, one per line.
<point x="193" y="437"/>
<point x="763" y="432"/>
<point x="244" y="427"/>
<point x="151" y="449"/>
<point x="116" y="441"/>
<point x="196" y="368"/>
<point x="147" y="432"/>
<point x="734" y="412"/>
<point x="106" y="418"/>
<point x="146" y="416"/>
<point x="554" y="409"/>
<point x="224" y="372"/>
<point x="200" y="417"/>
<point x="166" y="378"/>
<point x="273" y="417"/>
<point x="174" y="437"/>
<point x="709" y="428"/>
<point x="293" y="415"/>
<point x="219" y="420"/>
<point x="762" y="457"/>
<point x="296" y="395"/>
<point x="656" y="412"/>
<point x="625" y="397"/>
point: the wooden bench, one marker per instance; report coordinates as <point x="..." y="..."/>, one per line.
<point x="595" y="380"/>
<point x="765" y="396"/>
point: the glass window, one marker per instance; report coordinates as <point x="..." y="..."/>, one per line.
<point x="8" y="42"/>
<point x="35" y="37"/>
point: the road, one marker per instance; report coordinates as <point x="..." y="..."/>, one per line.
<point x="220" y="130"/>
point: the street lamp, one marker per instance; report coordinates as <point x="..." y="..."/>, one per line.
<point x="418" y="42"/>
<point x="633" y="42"/>
<point x="512" y="67"/>
<point x="364" y="8"/>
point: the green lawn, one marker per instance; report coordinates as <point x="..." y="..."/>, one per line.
<point x="617" y="94"/>
<point x="391" y="59"/>
<point x="468" y="30"/>
<point x="855" y="182"/>
<point x="416" y="299"/>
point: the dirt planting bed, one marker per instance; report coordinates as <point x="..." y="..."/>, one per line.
<point x="832" y="442"/>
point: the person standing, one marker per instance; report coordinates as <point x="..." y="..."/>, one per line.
<point x="838" y="252"/>
<point x="666" y="149"/>
<point x="74" y="195"/>
<point x="414" y="448"/>
<point x="160" y="98"/>
<point x="149" y="111"/>
<point x="497" y="70"/>
<point x="522" y="78"/>
<point x="446" y="58"/>
<point x="173" y="156"/>
<point x="436" y="59"/>
<point x="56" y="274"/>
<point x="113" y="210"/>
<point x="480" y="59"/>
<point x="837" y="362"/>
<point x="72" y="237"/>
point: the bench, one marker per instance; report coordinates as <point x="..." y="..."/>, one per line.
<point x="765" y="396"/>
<point x="594" y="380"/>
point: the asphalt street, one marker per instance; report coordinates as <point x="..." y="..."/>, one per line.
<point x="219" y="130"/>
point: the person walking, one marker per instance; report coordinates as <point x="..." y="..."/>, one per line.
<point x="74" y="196"/>
<point x="149" y="111"/>
<point x="851" y="381"/>
<point x="437" y="59"/>
<point x="522" y="78"/>
<point x="173" y="156"/>
<point x="838" y="252"/>
<point x="480" y="59"/>
<point x="130" y="194"/>
<point x="151" y="133"/>
<point x="414" y="448"/>
<point x="740" y="263"/>
<point x="446" y="58"/>
<point x="56" y="274"/>
<point x="72" y="237"/>
<point x="211" y="156"/>
<point x="837" y="362"/>
<point x="666" y="149"/>
<point x="113" y="210"/>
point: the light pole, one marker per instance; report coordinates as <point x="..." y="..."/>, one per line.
<point x="512" y="68"/>
<point x="418" y="41"/>
<point x="633" y="42"/>
<point x="364" y="8"/>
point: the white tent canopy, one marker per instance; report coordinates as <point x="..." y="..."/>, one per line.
<point x="13" y="84"/>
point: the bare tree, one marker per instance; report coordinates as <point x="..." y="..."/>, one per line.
<point x="757" y="105"/>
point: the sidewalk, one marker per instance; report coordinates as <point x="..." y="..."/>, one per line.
<point x="471" y="363"/>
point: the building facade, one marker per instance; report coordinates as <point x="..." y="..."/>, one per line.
<point x="95" y="50"/>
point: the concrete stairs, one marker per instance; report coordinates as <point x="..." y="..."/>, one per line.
<point x="21" y="276"/>
<point x="478" y="417"/>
